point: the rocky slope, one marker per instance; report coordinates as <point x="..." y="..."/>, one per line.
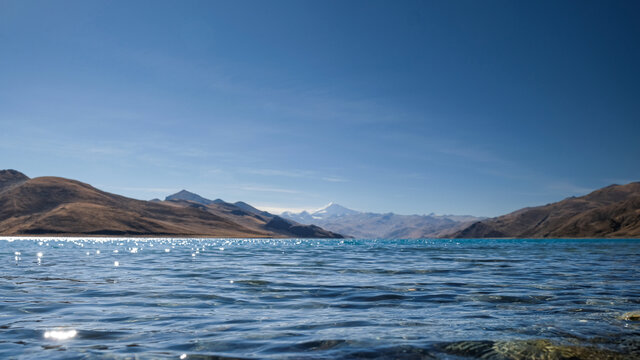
<point x="613" y="211"/>
<point x="10" y="178"/>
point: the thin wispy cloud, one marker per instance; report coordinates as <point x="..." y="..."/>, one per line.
<point x="274" y="172"/>
<point x="299" y="174"/>
<point x="110" y="151"/>
<point x="334" y="179"/>
<point x="465" y="151"/>
<point x="268" y="189"/>
<point x="568" y="188"/>
<point x="277" y="210"/>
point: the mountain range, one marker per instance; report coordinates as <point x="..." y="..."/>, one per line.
<point x="248" y="216"/>
<point x="358" y="224"/>
<point x="59" y="206"/>
<point x="610" y="212"/>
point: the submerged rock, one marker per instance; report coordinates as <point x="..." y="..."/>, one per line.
<point x="631" y="316"/>
<point x="541" y="349"/>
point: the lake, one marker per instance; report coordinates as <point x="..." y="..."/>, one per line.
<point x="138" y="298"/>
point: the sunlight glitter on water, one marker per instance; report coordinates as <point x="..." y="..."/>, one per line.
<point x="325" y="298"/>
<point x="60" y="334"/>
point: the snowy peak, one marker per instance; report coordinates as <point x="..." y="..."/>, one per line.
<point x="333" y="209"/>
<point x="368" y="225"/>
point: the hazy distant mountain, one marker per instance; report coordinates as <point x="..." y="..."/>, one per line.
<point x="613" y="211"/>
<point x="358" y="224"/>
<point x="58" y="206"/>
<point x="189" y="196"/>
<point x="330" y="210"/>
<point x="246" y="207"/>
<point x="301" y="217"/>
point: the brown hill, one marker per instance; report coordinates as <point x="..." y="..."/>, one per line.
<point x="58" y="206"/>
<point x="613" y="211"/>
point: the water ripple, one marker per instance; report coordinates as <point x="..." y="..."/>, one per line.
<point x="317" y="299"/>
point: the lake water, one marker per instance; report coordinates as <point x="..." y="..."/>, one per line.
<point x="318" y="299"/>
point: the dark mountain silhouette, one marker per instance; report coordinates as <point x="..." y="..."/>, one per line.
<point x="189" y="196"/>
<point x="244" y="206"/>
<point x="59" y="206"/>
<point x="613" y="211"/>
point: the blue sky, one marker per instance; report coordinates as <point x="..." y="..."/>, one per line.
<point x="464" y="107"/>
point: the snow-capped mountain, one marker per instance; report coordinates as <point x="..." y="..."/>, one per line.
<point x="338" y="218"/>
<point x="330" y="210"/>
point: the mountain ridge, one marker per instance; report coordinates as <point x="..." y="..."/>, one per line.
<point x="60" y="206"/>
<point x="611" y="211"/>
